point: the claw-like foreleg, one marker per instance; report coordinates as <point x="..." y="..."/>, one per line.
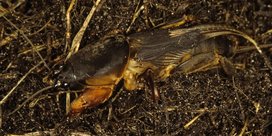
<point x="91" y="97"/>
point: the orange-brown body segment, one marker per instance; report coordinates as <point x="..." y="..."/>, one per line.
<point x="91" y="97"/>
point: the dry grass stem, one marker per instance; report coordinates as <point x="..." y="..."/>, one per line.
<point x="18" y="83"/>
<point x="79" y="35"/>
<point x="29" y="41"/>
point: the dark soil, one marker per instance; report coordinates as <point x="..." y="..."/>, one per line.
<point x="224" y="105"/>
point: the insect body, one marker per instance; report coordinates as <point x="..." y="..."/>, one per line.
<point x="148" y="56"/>
<point x="98" y="68"/>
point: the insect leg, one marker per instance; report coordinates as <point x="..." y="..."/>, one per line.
<point x="91" y="97"/>
<point x="227" y="66"/>
<point x="200" y="62"/>
<point x="132" y="73"/>
<point x="180" y="22"/>
<point x="149" y="78"/>
<point x="130" y="82"/>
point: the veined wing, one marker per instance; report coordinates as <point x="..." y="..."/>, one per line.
<point x="164" y="47"/>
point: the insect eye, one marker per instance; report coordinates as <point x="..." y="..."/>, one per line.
<point x="61" y="84"/>
<point x="58" y="69"/>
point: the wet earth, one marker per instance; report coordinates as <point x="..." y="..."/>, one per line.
<point x="206" y="103"/>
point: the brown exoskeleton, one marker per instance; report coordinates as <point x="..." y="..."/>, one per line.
<point x="152" y="56"/>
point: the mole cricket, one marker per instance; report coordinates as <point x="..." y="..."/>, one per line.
<point x="143" y="58"/>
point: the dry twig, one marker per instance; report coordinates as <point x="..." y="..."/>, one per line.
<point x="68" y="25"/>
<point x="31" y="97"/>
<point x="9" y="38"/>
<point x="193" y="120"/>
<point x="79" y="35"/>
<point x="4" y="11"/>
<point x="135" y="16"/>
<point x="18" y="83"/>
<point x="29" y="41"/>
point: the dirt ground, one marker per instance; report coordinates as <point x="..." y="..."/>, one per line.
<point x="206" y="103"/>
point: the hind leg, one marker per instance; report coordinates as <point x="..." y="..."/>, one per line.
<point x="197" y="63"/>
<point x="208" y="61"/>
